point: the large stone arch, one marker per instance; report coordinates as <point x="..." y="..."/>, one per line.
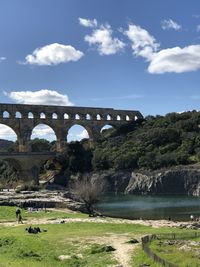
<point x="25" y="171"/>
<point x="43" y="126"/>
<point x="8" y="130"/>
<point x="86" y="127"/>
<point x="107" y="126"/>
<point x="28" y="166"/>
<point x="43" y="131"/>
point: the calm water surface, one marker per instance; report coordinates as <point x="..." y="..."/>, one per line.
<point x="150" y="207"/>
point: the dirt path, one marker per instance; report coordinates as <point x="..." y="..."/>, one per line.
<point x="153" y="223"/>
<point x="123" y="250"/>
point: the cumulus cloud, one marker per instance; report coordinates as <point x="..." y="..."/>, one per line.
<point x="168" y="24"/>
<point x="76" y="135"/>
<point x="143" y="44"/>
<point x="53" y="54"/>
<point x="82" y="135"/>
<point x="176" y="60"/>
<point x="105" y="43"/>
<point x="43" y="131"/>
<point x="41" y="97"/>
<point x="88" y="22"/>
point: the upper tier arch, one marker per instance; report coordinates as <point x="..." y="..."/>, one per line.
<point x="60" y="119"/>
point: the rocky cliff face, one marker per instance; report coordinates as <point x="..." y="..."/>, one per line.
<point x="177" y="180"/>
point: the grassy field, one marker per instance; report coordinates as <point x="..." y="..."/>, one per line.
<point x="8" y="214"/>
<point x="184" y="253"/>
<point x="82" y="243"/>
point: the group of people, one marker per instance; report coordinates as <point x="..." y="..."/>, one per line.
<point x="33" y="230"/>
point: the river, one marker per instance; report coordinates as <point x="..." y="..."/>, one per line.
<point x="150" y="207"/>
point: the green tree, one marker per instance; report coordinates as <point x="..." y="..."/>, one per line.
<point x="40" y="145"/>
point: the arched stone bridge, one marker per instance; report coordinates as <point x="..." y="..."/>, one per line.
<point x="27" y="165"/>
<point x="23" y="118"/>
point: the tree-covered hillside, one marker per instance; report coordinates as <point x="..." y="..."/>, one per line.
<point x="152" y="143"/>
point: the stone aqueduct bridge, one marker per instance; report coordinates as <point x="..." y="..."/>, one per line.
<point x="22" y="119"/>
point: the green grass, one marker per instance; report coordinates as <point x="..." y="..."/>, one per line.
<point x="140" y="257"/>
<point x="8" y="214"/>
<point x="18" y="248"/>
<point x="77" y="240"/>
<point x="174" y="254"/>
<point x="42" y="250"/>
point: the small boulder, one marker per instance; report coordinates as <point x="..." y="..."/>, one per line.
<point x="108" y="249"/>
<point x="133" y="241"/>
<point x="64" y="257"/>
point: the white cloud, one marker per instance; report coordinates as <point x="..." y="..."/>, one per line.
<point x="53" y="54"/>
<point x="77" y="133"/>
<point x="143" y="44"/>
<point x="2" y="58"/>
<point x="7" y="133"/>
<point x="44" y="132"/>
<point x="176" y="60"/>
<point x="88" y="22"/>
<point x="102" y="38"/>
<point x="82" y="135"/>
<point x="41" y="97"/>
<point x="170" y="24"/>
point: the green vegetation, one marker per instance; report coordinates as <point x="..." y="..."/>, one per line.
<point x="150" y="143"/>
<point x="78" y="242"/>
<point x="8" y="214"/>
<point x="153" y="143"/>
<point x="140" y="257"/>
<point x="8" y="174"/>
<point x="180" y="252"/>
<point x="22" y="249"/>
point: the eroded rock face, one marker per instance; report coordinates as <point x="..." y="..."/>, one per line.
<point x="177" y="180"/>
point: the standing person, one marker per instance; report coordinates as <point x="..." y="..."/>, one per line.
<point x="19" y="218"/>
<point x="18" y="212"/>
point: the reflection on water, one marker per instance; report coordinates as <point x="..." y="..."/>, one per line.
<point x="150" y="207"/>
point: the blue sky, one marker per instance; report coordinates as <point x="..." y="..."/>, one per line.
<point x="131" y="54"/>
